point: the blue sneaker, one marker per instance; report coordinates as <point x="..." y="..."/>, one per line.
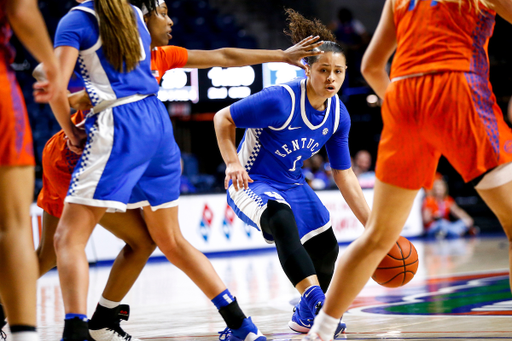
<point x="247" y="332"/>
<point x="302" y="320"/>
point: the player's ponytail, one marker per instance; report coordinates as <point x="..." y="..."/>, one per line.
<point x="119" y="33"/>
<point x="299" y="28"/>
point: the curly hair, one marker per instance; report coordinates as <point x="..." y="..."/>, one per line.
<point x="300" y="28"/>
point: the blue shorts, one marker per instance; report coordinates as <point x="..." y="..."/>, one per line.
<point x="130" y="159"/>
<point x="311" y="215"/>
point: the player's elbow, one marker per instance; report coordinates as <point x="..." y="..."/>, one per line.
<point x="367" y="68"/>
<point x="222" y="118"/>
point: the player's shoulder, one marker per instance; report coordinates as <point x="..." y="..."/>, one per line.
<point x="344" y="114"/>
<point x="80" y="14"/>
<point x="170" y="50"/>
<point x="86" y="7"/>
<point x="343" y="107"/>
<point x="289" y="90"/>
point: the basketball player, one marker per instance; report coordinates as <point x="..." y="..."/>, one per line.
<point x="18" y="265"/>
<point x="107" y="178"/>
<point x="59" y="162"/>
<point x="439" y="102"/>
<point x="285" y="125"/>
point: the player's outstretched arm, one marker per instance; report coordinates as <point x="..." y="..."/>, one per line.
<point x="228" y="57"/>
<point x="225" y="129"/>
<point x="349" y="187"/>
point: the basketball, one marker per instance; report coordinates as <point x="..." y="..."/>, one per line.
<point x="399" y="266"/>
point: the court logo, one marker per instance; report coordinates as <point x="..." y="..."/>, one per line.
<point x="508" y="146"/>
<point x="205" y="225"/>
<point x="227" y="223"/>
<point x="484" y="294"/>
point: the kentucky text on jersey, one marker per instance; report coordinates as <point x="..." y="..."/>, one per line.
<point x="296" y="145"/>
<point x="284" y="130"/>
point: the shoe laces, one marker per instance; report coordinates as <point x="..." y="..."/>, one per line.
<point x="225" y="334"/>
<point x="124" y="335"/>
<point x="3" y="335"/>
<point x="318" y="306"/>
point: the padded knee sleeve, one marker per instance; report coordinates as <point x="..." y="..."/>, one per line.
<point x="278" y="220"/>
<point x="323" y="250"/>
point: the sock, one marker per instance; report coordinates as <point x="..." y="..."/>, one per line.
<point x="313" y="295"/>
<point x="75" y="327"/>
<point x="107" y="303"/>
<point x="82" y="317"/>
<point x="223" y="299"/>
<point x="325" y="326"/>
<point x="2" y="314"/>
<point x="24" y="333"/>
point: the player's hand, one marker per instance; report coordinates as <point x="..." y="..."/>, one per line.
<point x="238" y="175"/>
<point x="49" y="84"/>
<point x="80" y="100"/>
<point x="76" y="142"/>
<point x="301" y="50"/>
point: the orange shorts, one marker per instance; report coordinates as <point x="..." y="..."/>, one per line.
<point x="58" y="165"/>
<point x="453" y="114"/>
<point x="16" y="147"/>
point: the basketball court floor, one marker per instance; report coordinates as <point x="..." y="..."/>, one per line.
<point x="460" y="292"/>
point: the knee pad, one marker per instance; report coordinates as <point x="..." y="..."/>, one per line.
<point x="323" y="250"/>
<point x="278" y="220"/>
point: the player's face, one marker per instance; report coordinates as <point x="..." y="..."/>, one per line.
<point x="327" y="74"/>
<point x="159" y="26"/>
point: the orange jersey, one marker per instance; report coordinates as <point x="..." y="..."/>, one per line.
<point x="165" y="58"/>
<point x="58" y="165"/>
<point x="441" y="36"/>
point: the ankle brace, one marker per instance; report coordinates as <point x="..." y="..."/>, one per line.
<point x="232" y="315"/>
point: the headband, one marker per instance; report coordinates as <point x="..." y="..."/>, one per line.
<point x="144" y="9"/>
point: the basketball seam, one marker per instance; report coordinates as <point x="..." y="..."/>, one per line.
<point x="398" y="266"/>
<point x="403" y="261"/>
<point x="395" y="277"/>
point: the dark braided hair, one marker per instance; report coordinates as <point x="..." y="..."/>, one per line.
<point x="300" y="28"/>
<point x="151" y="5"/>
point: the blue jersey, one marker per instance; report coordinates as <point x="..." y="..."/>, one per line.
<point x="79" y="29"/>
<point x="284" y="130"/>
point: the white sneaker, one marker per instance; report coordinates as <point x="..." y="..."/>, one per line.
<point x="107" y="334"/>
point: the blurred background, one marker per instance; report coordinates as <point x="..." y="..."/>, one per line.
<point x="193" y="96"/>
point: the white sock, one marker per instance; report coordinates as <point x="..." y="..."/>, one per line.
<point x="107" y="303"/>
<point x="324" y="326"/>
<point x="25" y="336"/>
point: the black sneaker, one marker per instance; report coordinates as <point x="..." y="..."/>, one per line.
<point x="3" y="336"/>
<point x="105" y="324"/>
<point x="3" y="322"/>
